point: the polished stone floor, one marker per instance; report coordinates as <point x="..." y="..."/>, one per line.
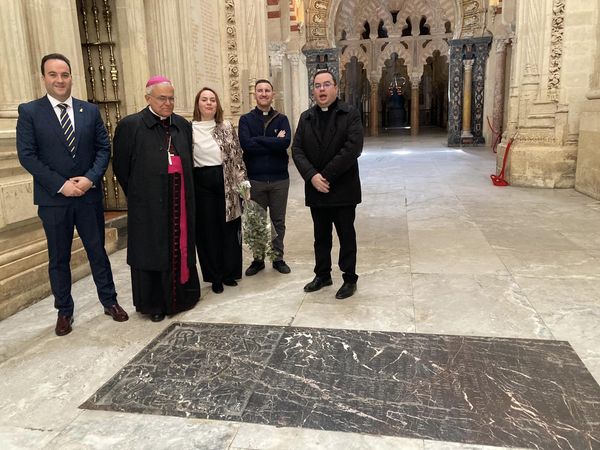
<point x="441" y="251"/>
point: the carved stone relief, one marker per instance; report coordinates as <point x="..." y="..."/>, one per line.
<point x="556" y="48"/>
<point x="232" y="59"/>
<point x="472" y="18"/>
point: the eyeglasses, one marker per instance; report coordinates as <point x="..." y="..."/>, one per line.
<point x="325" y="85"/>
<point x="163" y="99"/>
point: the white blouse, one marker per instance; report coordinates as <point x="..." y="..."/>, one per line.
<point x="206" y="149"/>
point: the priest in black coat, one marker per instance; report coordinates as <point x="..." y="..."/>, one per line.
<point x="327" y="144"/>
<point x="153" y="164"/>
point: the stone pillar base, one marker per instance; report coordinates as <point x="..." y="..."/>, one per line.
<point x="24" y="265"/>
<point x="538" y="165"/>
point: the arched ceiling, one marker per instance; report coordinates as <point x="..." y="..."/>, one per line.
<point x="352" y="14"/>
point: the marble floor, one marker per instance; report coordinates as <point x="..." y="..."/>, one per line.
<point x="441" y="251"/>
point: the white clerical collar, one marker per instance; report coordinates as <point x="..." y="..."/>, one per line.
<point x="54" y="102"/>
<point x="324" y="109"/>
<point x="157" y="115"/>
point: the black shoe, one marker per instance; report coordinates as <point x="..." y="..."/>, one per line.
<point x="347" y="290"/>
<point x="217" y="288"/>
<point x="157" y="317"/>
<point x="281" y="266"/>
<point x="317" y="284"/>
<point x="256" y="266"/>
<point x="230" y="282"/>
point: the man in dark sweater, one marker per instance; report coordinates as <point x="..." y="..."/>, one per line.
<point x="265" y="137"/>
<point x="327" y="144"/>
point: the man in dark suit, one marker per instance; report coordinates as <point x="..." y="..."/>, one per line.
<point x="63" y="143"/>
<point x="327" y="144"/>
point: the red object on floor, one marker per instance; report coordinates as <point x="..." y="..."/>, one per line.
<point x="499" y="180"/>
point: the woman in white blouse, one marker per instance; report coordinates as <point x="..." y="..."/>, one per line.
<point x="219" y="171"/>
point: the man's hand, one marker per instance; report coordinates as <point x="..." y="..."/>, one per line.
<point x="281" y="134"/>
<point x="70" y="189"/>
<point x="84" y="184"/>
<point x="320" y="183"/>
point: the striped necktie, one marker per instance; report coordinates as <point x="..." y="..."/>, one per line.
<point x="67" y="126"/>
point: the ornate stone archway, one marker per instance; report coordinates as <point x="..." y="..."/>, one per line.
<point x="336" y="28"/>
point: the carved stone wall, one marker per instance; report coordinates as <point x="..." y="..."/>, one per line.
<point x="553" y="46"/>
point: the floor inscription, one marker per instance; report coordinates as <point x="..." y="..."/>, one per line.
<point x="478" y="390"/>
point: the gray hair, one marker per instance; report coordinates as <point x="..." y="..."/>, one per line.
<point x="164" y="83"/>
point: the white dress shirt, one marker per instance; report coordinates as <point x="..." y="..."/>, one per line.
<point x="57" y="110"/>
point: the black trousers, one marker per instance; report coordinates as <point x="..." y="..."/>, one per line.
<point x="342" y="217"/>
<point x="59" y="224"/>
<point x="218" y="242"/>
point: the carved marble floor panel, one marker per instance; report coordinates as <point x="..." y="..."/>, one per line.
<point x="473" y="390"/>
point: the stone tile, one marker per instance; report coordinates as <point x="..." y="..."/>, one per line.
<point x="531" y="239"/>
<point x="389" y="313"/>
<point x="551" y="263"/>
<point x="18" y="438"/>
<point x="455" y="251"/>
<point x="435" y="445"/>
<point x="101" y="430"/>
<point x="571" y="310"/>
<point x="262" y="437"/>
<point x="480" y="305"/>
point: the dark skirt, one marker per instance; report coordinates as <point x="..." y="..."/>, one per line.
<point x="161" y="292"/>
<point x="219" y="243"/>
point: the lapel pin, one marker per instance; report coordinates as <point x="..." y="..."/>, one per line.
<point x="80" y="109"/>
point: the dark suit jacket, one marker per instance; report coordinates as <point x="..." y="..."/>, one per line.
<point x="43" y="152"/>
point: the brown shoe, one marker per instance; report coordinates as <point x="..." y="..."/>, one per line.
<point x="63" y="325"/>
<point x="116" y="312"/>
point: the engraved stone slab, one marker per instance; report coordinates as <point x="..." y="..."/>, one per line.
<point x="477" y="390"/>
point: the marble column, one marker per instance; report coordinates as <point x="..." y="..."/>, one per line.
<point x="276" y="57"/>
<point x="169" y="52"/>
<point x="498" y="107"/>
<point x="466" y="134"/>
<point x="297" y="88"/>
<point x="374" y="107"/>
<point x="257" y="43"/>
<point x="15" y="51"/>
<point x="132" y="32"/>
<point x="414" y="104"/>
<point x="587" y="175"/>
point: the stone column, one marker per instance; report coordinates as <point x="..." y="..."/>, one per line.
<point x="131" y="29"/>
<point x="17" y="77"/>
<point x="276" y="56"/>
<point x="466" y="135"/>
<point x="374" y="107"/>
<point x="498" y="107"/>
<point x="255" y="43"/>
<point x="169" y="52"/>
<point x="414" y="104"/>
<point x="297" y="88"/>
<point x="587" y="175"/>
<point x="44" y="17"/>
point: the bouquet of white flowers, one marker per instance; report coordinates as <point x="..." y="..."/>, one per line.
<point x="257" y="230"/>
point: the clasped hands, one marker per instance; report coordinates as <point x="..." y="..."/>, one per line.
<point x="76" y="186"/>
<point x="320" y="183"/>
